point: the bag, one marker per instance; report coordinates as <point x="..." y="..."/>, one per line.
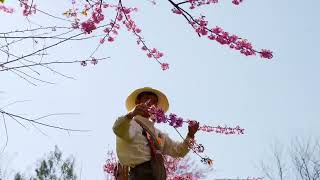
<point x="158" y="169"/>
<point x="157" y="160"/>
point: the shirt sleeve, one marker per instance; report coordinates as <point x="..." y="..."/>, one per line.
<point x="174" y="148"/>
<point x="124" y="129"/>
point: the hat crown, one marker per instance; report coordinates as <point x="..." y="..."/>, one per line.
<point x="162" y="99"/>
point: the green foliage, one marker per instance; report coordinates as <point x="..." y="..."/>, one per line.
<point x="53" y="167"/>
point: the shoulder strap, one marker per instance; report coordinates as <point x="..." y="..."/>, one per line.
<point x="145" y="128"/>
<point x="158" y="168"/>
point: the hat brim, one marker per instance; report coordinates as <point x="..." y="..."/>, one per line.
<point x="162" y="99"/>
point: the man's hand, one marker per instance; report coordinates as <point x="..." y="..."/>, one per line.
<point x="139" y="109"/>
<point x="193" y="128"/>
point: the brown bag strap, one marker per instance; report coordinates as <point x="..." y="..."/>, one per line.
<point x="145" y="128"/>
<point x="159" y="170"/>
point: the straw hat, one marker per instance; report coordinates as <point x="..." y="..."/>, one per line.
<point x="162" y="99"/>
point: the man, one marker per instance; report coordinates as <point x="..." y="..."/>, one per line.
<point x="139" y="144"/>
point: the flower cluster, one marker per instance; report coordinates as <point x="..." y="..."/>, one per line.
<point x="27" y="9"/>
<point x="132" y="26"/>
<point x="5" y="9"/>
<point x="96" y="18"/>
<point x="123" y="16"/>
<point x="217" y="33"/>
<point x="110" y="164"/>
<point x="194" y="3"/>
<point x="265" y="53"/>
<point x="88" y="26"/>
<point x="197" y="3"/>
<point x="176" y="168"/>
<point x="237" y="2"/>
<point x="222" y="130"/>
<point x="153" y="53"/>
<point x="224" y="38"/>
<point x="158" y="116"/>
<point x="164" y="66"/>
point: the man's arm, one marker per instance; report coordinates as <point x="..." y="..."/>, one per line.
<point x="176" y="149"/>
<point x="122" y="125"/>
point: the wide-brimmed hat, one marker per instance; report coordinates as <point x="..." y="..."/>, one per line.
<point x="162" y="99"/>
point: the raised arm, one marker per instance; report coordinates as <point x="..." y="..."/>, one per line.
<point x="180" y="149"/>
<point x="123" y="127"/>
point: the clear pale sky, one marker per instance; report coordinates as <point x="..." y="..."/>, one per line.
<point x="274" y="100"/>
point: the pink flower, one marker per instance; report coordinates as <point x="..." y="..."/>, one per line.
<point x="164" y="66"/>
<point x="110" y="39"/>
<point x="27" y="9"/>
<point x="94" y="61"/>
<point x="157" y="114"/>
<point x="217" y="30"/>
<point x="88" y="26"/>
<point x="266" y="54"/>
<point x="6" y="9"/>
<point x="236" y="2"/>
<point x="97" y="17"/>
<point x="137" y="30"/>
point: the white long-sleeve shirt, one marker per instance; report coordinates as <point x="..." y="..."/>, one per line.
<point x="132" y="146"/>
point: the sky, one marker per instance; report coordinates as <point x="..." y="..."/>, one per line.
<point x="273" y="100"/>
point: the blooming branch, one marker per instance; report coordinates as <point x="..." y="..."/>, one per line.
<point x="200" y="25"/>
<point x="158" y="116"/>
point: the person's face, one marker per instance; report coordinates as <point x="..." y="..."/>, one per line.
<point x="148" y="99"/>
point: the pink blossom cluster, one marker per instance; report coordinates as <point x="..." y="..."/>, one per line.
<point x="224" y="38"/>
<point x="27" y="9"/>
<point x="222" y="130"/>
<point x="96" y="18"/>
<point x="5" y="9"/>
<point x="128" y="21"/>
<point x="176" y="168"/>
<point x="88" y="26"/>
<point x="181" y="169"/>
<point x="197" y="3"/>
<point x="124" y="15"/>
<point x="110" y="164"/>
<point x="153" y="53"/>
<point x="164" y="66"/>
<point x="194" y="3"/>
<point x="111" y="32"/>
<point x="97" y="15"/>
<point x="218" y="34"/>
<point x="237" y="2"/>
<point x="132" y="26"/>
<point x="158" y="116"/>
